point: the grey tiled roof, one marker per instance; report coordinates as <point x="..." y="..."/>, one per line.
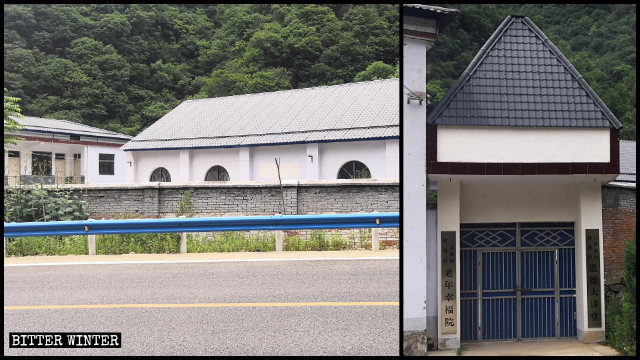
<point x="356" y="111"/>
<point x="37" y="124"/>
<point x="519" y="78"/>
<point x="627" y="161"/>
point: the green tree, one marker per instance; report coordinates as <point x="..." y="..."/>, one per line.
<point x="376" y="71"/>
<point x="11" y="126"/>
<point x="621" y="311"/>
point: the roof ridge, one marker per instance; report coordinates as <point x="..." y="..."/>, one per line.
<point x="488" y="47"/>
<point x="299" y="89"/>
<point x="575" y="73"/>
<point x="470" y="69"/>
<point x="274" y="133"/>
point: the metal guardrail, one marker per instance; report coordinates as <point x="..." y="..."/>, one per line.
<point x="180" y="225"/>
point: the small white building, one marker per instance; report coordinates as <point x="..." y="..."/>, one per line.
<point x="59" y="151"/>
<point x="321" y="133"/>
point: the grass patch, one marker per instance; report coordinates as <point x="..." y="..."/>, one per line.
<point x="169" y="243"/>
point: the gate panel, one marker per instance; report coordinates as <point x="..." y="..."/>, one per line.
<point x="506" y="274"/>
<point x="469" y="295"/>
<point x="538" y="293"/>
<point x="499" y="320"/>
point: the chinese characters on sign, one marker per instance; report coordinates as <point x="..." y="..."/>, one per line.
<point x="593" y="279"/>
<point x="448" y="282"/>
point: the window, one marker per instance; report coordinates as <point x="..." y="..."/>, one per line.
<point x="59" y="156"/>
<point x="217" y="173"/>
<point x="40" y="163"/>
<point x="74" y="137"/>
<point x="160" y="175"/>
<point x="105" y="164"/>
<point x="14" y="154"/>
<point x="354" y="170"/>
<point x="77" y="156"/>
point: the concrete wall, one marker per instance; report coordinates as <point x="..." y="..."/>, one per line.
<point x="315" y="161"/>
<point x="119" y="166"/>
<point x="522" y="145"/>
<point x="242" y="198"/>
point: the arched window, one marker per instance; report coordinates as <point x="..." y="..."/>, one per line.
<point x="160" y="175"/>
<point x="217" y="173"/>
<point x="354" y="170"/>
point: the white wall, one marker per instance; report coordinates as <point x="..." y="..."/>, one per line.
<point x="203" y="160"/>
<point x="524" y="145"/>
<point x="147" y="161"/>
<point x="119" y="166"/>
<point x="371" y="153"/>
<point x="516" y="203"/>
<point x="293" y="162"/>
<point x="314" y="161"/>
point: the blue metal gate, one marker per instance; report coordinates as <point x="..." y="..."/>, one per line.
<point x="517" y="281"/>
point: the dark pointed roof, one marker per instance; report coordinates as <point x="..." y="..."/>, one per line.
<point x="519" y="78"/>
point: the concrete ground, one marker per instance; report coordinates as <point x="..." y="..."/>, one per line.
<point x="565" y="347"/>
<point x="204" y="257"/>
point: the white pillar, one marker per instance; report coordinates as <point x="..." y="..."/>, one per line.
<point x="392" y="159"/>
<point x="589" y="212"/>
<point x="185" y="167"/>
<point x="130" y="167"/>
<point x="244" y="165"/>
<point x="313" y="162"/>
<point x="414" y="210"/>
<point x="279" y="239"/>
<point x="449" y="220"/>
<point x="86" y="166"/>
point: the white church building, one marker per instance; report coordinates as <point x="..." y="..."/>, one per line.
<point x="321" y="133"/>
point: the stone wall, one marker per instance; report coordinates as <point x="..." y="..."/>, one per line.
<point x="247" y="198"/>
<point x="250" y="198"/>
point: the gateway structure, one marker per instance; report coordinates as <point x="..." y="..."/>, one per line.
<point x="520" y="147"/>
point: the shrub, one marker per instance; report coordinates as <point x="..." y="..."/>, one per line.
<point x="37" y="203"/>
<point x="621" y="310"/>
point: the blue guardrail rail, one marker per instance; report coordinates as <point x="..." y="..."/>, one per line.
<point x="237" y="223"/>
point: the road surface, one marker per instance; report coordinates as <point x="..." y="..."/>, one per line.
<point x="278" y="307"/>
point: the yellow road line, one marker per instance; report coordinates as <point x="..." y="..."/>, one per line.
<point x="119" y="306"/>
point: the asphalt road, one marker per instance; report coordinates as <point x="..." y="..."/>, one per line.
<point x="207" y="329"/>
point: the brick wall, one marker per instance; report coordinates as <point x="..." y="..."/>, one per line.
<point x="618" y="221"/>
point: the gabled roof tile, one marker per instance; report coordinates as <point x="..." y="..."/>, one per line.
<point x="526" y="81"/>
<point x="356" y="111"/>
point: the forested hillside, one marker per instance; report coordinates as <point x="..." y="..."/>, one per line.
<point x="599" y="40"/>
<point x="122" y="67"/>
